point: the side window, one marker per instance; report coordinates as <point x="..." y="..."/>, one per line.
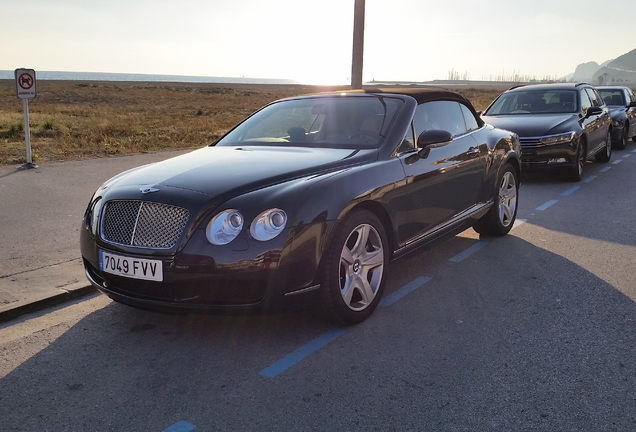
<point x="585" y="101"/>
<point x="594" y="97"/>
<point x="469" y="117"/>
<point x="408" y="143"/>
<point x="443" y="115"/>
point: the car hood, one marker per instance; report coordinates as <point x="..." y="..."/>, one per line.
<point x="219" y="170"/>
<point x="616" y="111"/>
<point x="533" y="125"/>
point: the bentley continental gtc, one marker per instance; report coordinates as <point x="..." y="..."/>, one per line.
<point x="308" y="200"/>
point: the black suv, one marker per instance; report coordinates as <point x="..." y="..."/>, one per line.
<point x="560" y="126"/>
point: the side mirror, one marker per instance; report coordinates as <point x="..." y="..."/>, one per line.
<point x="434" y="138"/>
<point x="593" y="111"/>
<point x="479" y="113"/>
<point x="632" y="104"/>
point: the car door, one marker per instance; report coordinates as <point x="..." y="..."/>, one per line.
<point x="630" y="113"/>
<point x="448" y="180"/>
<point x="596" y="124"/>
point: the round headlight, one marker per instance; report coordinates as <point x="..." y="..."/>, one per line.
<point x="268" y="224"/>
<point x="224" y="227"/>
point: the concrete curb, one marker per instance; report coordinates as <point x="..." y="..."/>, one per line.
<point x="52" y="300"/>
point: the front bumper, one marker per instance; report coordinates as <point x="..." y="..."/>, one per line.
<point x="244" y="275"/>
<point x="548" y="157"/>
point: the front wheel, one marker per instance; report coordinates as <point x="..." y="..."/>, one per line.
<point x="576" y="172"/>
<point x="501" y="216"/>
<point x="355" y="269"/>
<point x="606" y="154"/>
<point x="622" y="145"/>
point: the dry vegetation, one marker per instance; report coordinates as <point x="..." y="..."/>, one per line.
<point x="74" y="120"/>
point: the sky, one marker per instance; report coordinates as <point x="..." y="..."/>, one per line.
<point x="405" y="40"/>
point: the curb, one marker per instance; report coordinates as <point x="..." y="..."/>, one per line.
<point x="53" y="300"/>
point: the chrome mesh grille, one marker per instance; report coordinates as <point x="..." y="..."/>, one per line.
<point x="143" y="224"/>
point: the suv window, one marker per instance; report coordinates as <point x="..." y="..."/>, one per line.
<point x="585" y="101"/>
<point x="594" y="97"/>
<point x="443" y="115"/>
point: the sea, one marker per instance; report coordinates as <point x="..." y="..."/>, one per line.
<point x="107" y="76"/>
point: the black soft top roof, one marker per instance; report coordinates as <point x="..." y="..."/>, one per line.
<point x="421" y="95"/>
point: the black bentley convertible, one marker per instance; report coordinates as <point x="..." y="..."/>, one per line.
<point x="310" y="198"/>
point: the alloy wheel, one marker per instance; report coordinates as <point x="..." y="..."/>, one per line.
<point x="507" y="199"/>
<point x="361" y="267"/>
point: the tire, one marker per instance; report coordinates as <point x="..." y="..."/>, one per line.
<point x="355" y="268"/>
<point x="622" y="145"/>
<point x="501" y="216"/>
<point x="605" y="155"/>
<point x="576" y="172"/>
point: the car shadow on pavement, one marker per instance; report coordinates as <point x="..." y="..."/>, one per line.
<point x="514" y="338"/>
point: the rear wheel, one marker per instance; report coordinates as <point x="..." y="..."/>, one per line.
<point x="606" y="154"/>
<point x="501" y="216"/>
<point x="354" y="269"/>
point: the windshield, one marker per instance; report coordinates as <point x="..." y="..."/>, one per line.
<point x="612" y="97"/>
<point x="535" y="102"/>
<point x="349" y="121"/>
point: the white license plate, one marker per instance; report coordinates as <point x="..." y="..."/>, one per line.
<point x="136" y="268"/>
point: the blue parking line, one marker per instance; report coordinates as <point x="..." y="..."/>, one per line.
<point x="627" y="155"/>
<point x="302" y="352"/>
<point x="182" y="426"/>
<point x="569" y="191"/>
<point x="406" y="289"/>
<point x="616" y="162"/>
<point x="634" y="151"/>
<point x="468" y="252"/>
<point x="606" y="169"/>
<point x="544" y="206"/>
<point x="589" y="179"/>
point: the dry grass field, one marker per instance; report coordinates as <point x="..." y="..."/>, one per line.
<point x="76" y="120"/>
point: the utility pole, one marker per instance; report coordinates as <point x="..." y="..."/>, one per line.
<point x="358" y="45"/>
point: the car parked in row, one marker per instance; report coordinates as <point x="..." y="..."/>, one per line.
<point x="310" y="197"/>
<point x="560" y="126"/>
<point x="622" y="105"/>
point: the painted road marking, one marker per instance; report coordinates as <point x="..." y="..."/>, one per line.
<point x="589" y="179"/>
<point x="406" y="289"/>
<point x="634" y="151"/>
<point x="302" y="352"/>
<point x="569" y="191"/>
<point x="547" y="204"/>
<point x="606" y="169"/>
<point x="627" y="155"/>
<point x="182" y="426"/>
<point x="617" y="161"/>
<point x="468" y="252"/>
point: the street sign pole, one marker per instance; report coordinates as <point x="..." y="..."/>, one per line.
<point x="27" y="134"/>
<point x="358" y="45"/>
<point x="25" y="90"/>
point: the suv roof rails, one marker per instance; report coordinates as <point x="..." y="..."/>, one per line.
<point x="516" y="86"/>
<point x="580" y="84"/>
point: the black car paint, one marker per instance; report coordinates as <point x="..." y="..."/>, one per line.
<point x="317" y="188"/>
<point x="622" y="114"/>
<point x="587" y="126"/>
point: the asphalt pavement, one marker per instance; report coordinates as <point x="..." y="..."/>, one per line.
<point x="41" y="211"/>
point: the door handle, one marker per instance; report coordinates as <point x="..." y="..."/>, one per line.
<point x="473" y="151"/>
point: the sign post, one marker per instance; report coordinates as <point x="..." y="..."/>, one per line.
<point x="25" y="90"/>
